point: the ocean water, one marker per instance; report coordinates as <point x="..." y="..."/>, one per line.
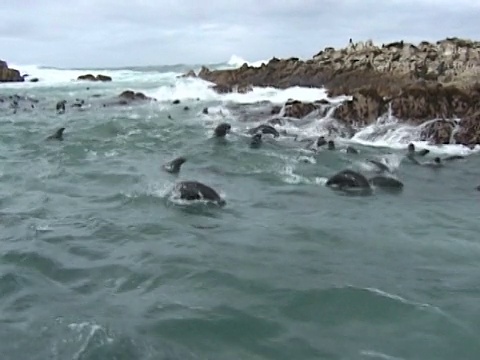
<point x="99" y="261"/>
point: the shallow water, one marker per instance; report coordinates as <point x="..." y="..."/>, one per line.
<point x="98" y="262"/>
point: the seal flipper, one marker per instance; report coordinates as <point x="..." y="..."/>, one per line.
<point x="174" y="166"/>
<point x="58" y="135"/>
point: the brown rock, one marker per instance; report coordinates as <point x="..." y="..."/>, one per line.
<point x="90" y="77"/>
<point x="298" y="109"/>
<point x="438" y="132"/>
<point x="9" y="75"/>
<point x="131" y="95"/>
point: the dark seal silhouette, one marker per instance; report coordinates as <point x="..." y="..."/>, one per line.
<point x="174" y="166"/>
<point x="351" y="150"/>
<point x="60" y="107"/>
<point x="321" y="141"/>
<point x="256" y="141"/>
<point x="381" y="167"/>
<point x="194" y="190"/>
<point x="58" y="135"/>
<point x="348" y="179"/>
<point x="222" y="129"/>
<point x="386" y="182"/>
<point x="331" y="145"/>
<point x="265" y="129"/>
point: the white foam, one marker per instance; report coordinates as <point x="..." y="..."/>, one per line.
<point x="395" y="135"/>
<point x="237" y="61"/>
<point x="58" y="77"/>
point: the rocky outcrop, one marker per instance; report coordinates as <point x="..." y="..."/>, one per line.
<point x="418" y="82"/>
<point x="90" y="77"/>
<point x="9" y="75"/>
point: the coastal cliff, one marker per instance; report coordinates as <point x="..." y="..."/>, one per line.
<point x="416" y="82"/>
<point x="9" y="75"/>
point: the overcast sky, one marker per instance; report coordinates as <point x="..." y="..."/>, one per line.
<point x="100" y="33"/>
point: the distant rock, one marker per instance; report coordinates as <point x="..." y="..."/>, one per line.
<point x="9" y="75"/>
<point x="131" y="95"/>
<point x="90" y="77"/>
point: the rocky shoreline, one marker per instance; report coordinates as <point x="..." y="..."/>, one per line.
<point x="416" y="83"/>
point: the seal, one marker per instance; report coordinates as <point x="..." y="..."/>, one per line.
<point x="437" y="162"/>
<point x="386" y="182"/>
<point x="222" y="129"/>
<point x="346" y="179"/>
<point x="194" y="190"/>
<point x="478" y="188"/>
<point x="58" y="135"/>
<point x="60" y="107"/>
<point x="173" y="167"/>
<point x="265" y="129"/>
<point x="256" y="141"/>
<point x="412" y="151"/>
<point x="321" y="141"/>
<point x="454" y="157"/>
<point x="331" y="145"/>
<point x="351" y="150"/>
<point x="381" y="166"/>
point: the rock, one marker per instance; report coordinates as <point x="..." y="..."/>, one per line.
<point x="438" y="132"/>
<point x="90" y="77"/>
<point x="275" y="110"/>
<point x="176" y="102"/>
<point x="131" y="95"/>
<point x="190" y="73"/>
<point x="9" y="75"/>
<point x="298" y="109"/>
<point x="101" y="77"/>
<point x="468" y="132"/>
<point x="418" y="82"/>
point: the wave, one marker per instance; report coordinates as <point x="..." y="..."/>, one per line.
<point x="237" y="61"/>
<point x="165" y="84"/>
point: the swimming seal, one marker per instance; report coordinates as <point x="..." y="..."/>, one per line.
<point x="58" y="135"/>
<point x="222" y="129"/>
<point x="454" y="157"/>
<point x="194" y="190"/>
<point x="411" y="150"/>
<point x="348" y="179"/>
<point x="60" y="107"/>
<point x="321" y="141"/>
<point x="331" y="145"/>
<point x="173" y="166"/>
<point x="351" y="150"/>
<point x="256" y="141"/>
<point x="381" y="166"/>
<point x="386" y="182"/>
<point x="265" y="129"/>
<point x="437" y="162"/>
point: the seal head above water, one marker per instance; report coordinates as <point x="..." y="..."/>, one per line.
<point x="222" y="129"/>
<point x="194" y="190"/>
<point x="173" y="166"/>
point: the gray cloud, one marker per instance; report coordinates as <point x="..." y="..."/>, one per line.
<point x="100" y="33"/>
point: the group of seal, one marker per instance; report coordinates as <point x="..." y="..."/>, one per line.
<point x="345" y="180"/>
<point x="349" y="179"/>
